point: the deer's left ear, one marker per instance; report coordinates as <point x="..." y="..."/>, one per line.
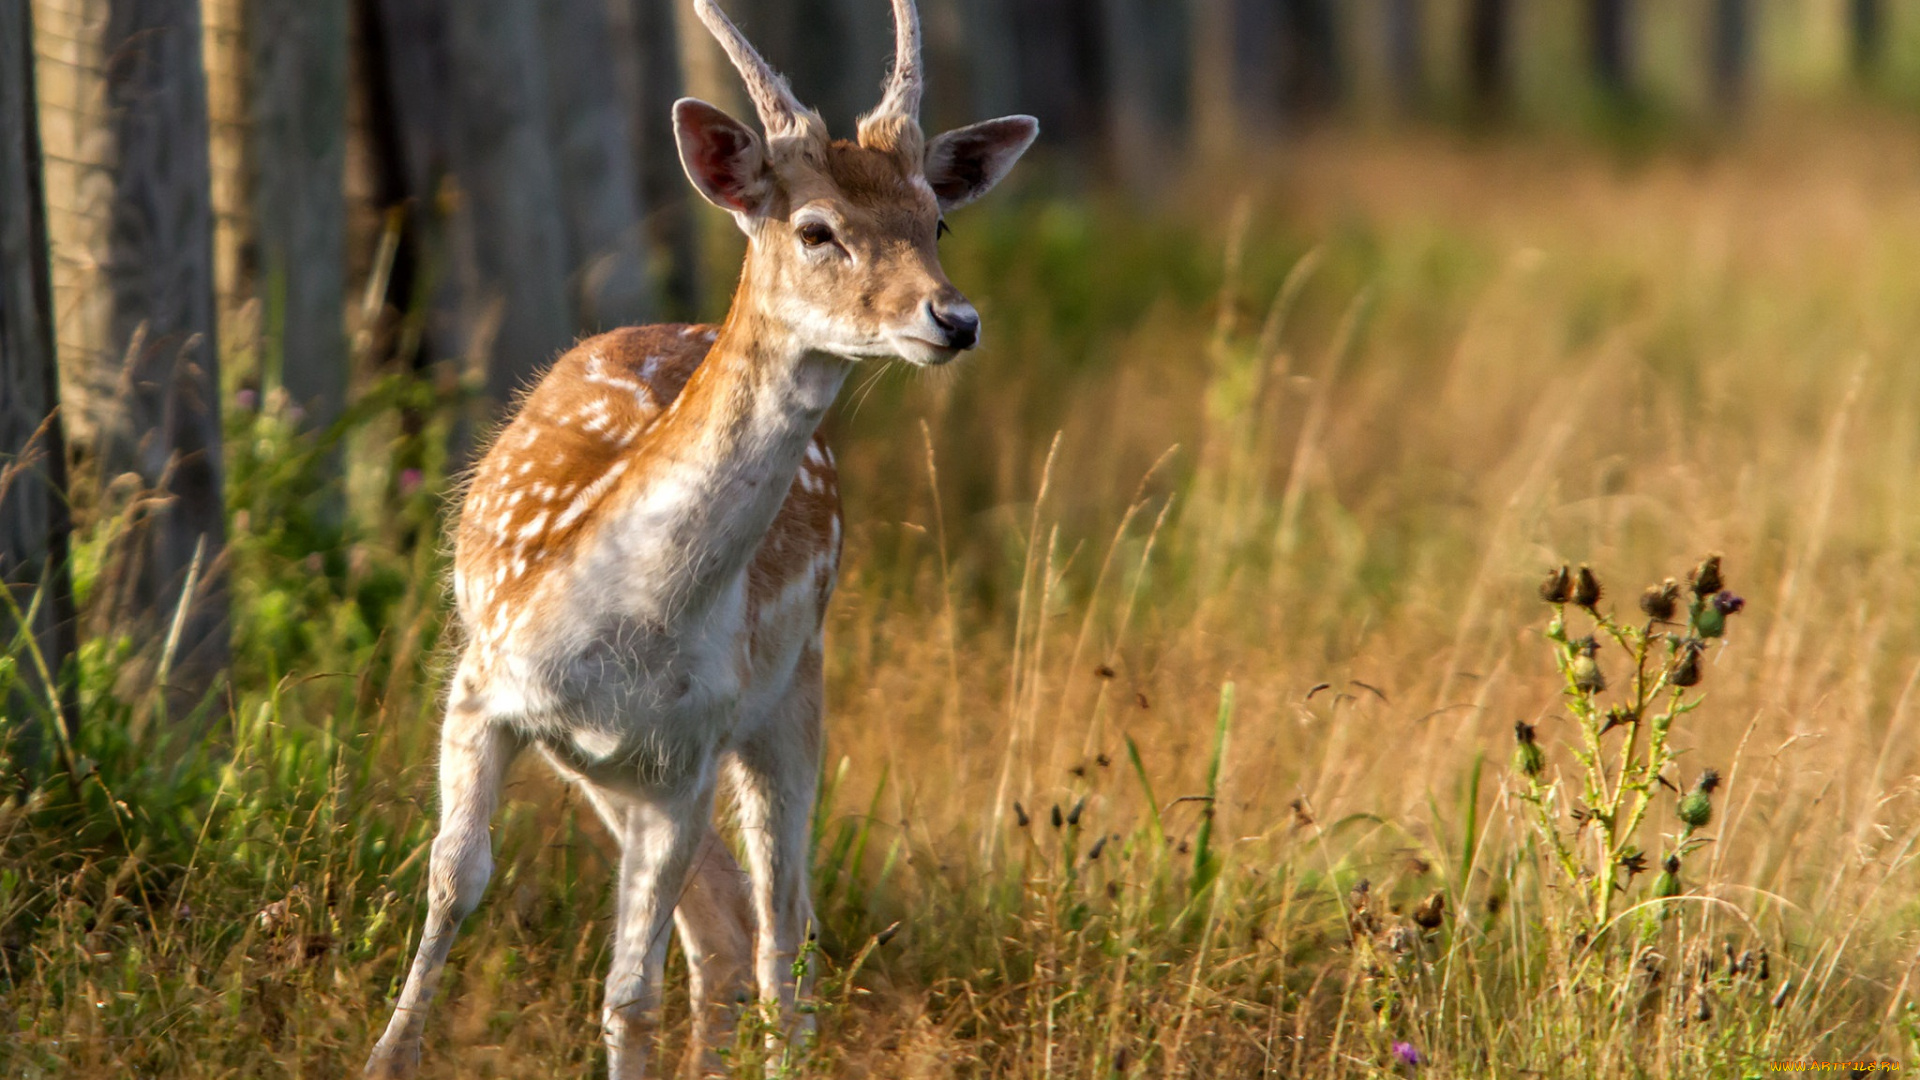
<point x="965" y="163"/>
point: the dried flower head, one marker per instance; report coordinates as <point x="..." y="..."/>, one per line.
<point x="1428" y="915"/>
<point x="1708" y="782"/>
<point x="1686" y="667"/>
<point x="1706" y="577"/>
<point x="1586" y="588"/>
<point x="1558" y="586"/>
<point x="1661" y="601"/>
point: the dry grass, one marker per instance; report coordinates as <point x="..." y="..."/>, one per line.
<point x="1496" y="357"/>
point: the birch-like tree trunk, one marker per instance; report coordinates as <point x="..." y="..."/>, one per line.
<point x="34" y="524"/>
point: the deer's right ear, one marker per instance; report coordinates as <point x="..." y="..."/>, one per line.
<point x="723" y="157"/>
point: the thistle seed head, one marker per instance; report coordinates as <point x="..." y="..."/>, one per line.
<point x="1558" y="586"/>
<point x="1686" y="667"/>
<point x="1705" y="579"/>
<point x="1661" y="601"/>
<point x="1428" y="915"/>
<point x="1586" y="588"/>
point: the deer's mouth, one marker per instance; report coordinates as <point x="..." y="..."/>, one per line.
<point x="923" y="353"/>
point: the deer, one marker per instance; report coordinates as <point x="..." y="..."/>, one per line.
<point x="644" y="555"/>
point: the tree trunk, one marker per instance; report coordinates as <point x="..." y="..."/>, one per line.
<point x="1058" y="64"/>
<point x="1731" y="37"/>
<point x="158" y="268"/>
<point x="509" y="244"/>
<point x="1406" y="33"/>
<point x="1610" y="26"/>
<point x="649" y="66"/>
<point x="297" y="52"/>
<point x="34" y="524"/>
<point x="1488" y="63"/>
<point x="1866" y="19"/>
<point x="589" y="131"/>
<point x="1310" y="44"/>
<point x="1148" y="50"/>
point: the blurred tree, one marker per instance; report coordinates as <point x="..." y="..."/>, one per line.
<point x="509" y="244"/>
<point x="158" y="269"/>
<point x="1310" y="55"/>
<point x="647" y="51"/>
<point x="1866" y="21"/>
<point x="512" y="140"/>
<point x="1406" y="33"/>
<point x="1488" y="64"/>
<point x="1215" y="109"/>
<point x="590" y="132"/>
<point x="297" y="142"/>
<point x="1731" y="39"/>
<point x="1058" y="67"/>
<point x="1610" y="39"/>
<point x="1148" y="51"/>
<point x="34" y="524"/>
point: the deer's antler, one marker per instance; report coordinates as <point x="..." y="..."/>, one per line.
<point x="781" y="114"/>
<point x="894" y="124"/>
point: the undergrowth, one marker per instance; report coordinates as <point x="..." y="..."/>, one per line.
<point x="1146" y="762"/>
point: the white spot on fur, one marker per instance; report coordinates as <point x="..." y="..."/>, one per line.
<point x="590" y="495"/>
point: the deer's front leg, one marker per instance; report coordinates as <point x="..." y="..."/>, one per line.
<point x="659" y="840"/>
<point x="474" y="755"/>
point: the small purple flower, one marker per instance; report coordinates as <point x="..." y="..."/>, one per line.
<point x="247" y="399"/>
<point x="410" y="481"/>
<point x="1407" y="1054"/>
<point x="1727" y="604"/>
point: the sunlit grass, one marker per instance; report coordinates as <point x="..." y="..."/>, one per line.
<point x="1224" y="557"/>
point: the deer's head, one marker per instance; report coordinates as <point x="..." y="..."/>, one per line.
<point x="841" y="236"/>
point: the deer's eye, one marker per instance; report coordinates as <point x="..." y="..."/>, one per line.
<point x="941" y="229"/>
<point x="814" y="233"/>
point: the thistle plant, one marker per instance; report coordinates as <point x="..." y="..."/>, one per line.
<point x="1624" y="749"/>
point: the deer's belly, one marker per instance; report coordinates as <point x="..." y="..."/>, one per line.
<point x="626" y="700"/>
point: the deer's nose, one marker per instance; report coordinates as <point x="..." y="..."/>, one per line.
<point x="957" y="320"/>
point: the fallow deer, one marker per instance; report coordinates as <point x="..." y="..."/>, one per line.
<point x="644" y="554"/>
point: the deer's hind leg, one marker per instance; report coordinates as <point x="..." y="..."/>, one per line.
<point x="775" y="770"/>
<point x="716" y="932"/>
<point x="475" y="750"/>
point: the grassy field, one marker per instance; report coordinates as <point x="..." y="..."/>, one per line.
<point x="1175" y="671"/>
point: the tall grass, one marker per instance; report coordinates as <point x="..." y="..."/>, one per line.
<point x="1174" y="675"/>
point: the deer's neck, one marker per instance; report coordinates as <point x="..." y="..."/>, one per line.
<point x="723" y="457"/>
